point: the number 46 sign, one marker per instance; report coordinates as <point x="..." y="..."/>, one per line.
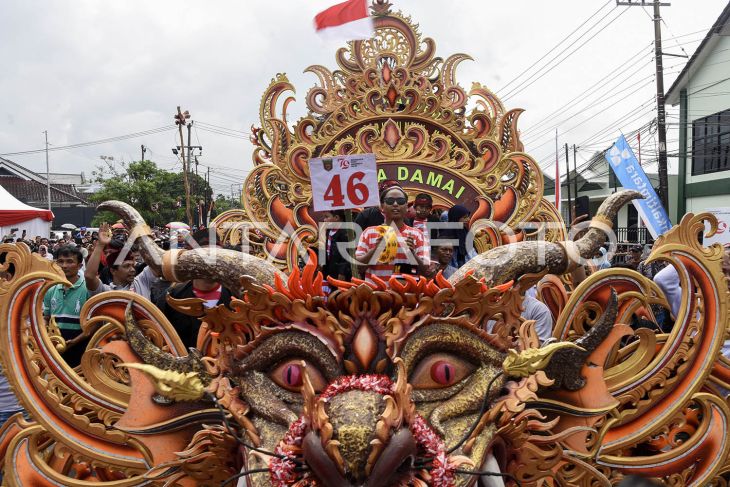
<point x="344" y="182"/>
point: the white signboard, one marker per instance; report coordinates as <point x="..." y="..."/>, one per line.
<point x="344" y="182"/>
<point x="723" y="226"/>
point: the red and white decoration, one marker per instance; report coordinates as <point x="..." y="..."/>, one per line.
<point x="346" y="21"/>
<point x="17" y="215"/>
<point x="442" y="468"/>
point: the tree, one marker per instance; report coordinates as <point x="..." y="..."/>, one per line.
<point x="225" y="203"/>
<point x="157" y="194"/>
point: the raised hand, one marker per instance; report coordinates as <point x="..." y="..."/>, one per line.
<point x="105" y="234"/>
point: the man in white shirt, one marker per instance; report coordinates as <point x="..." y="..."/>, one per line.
<point x="122" y="266"/>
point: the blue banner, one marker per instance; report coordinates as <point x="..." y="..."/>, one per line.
<point x="629" y="172"/>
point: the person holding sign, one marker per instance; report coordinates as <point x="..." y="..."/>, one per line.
<point x="393" y="248"/>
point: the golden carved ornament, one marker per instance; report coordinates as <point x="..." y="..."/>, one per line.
<point x="391" y="96"/>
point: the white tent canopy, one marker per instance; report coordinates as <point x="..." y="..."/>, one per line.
<point x="16" y="216"/>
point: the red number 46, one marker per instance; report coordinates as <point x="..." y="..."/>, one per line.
<point x="357" y="192"/>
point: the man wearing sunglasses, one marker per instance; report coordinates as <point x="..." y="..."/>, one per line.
<point x="412" y="255"/>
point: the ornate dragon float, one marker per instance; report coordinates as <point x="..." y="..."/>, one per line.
<point x="387" y="384"/>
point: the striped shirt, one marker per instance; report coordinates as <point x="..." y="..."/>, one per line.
<point x="422" y="225"/>
<point x="64" y="304"/>
<point x="368" y="241"/>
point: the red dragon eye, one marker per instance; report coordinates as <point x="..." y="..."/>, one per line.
<point x="442" y="372"/>
<point x="292" y="375"/>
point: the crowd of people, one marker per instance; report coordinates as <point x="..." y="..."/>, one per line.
<point x="398" y="237"/>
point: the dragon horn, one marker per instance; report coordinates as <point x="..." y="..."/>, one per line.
<point x="151" y="354"/>
<point x="508" y="262"/>
<point x="220" y="265"/>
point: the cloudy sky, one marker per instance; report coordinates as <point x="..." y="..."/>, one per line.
<point x="87" y="70"/>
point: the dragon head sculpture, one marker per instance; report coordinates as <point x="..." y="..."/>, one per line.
<point x="386" y="383"/>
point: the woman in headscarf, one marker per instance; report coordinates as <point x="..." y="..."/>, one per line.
<point x="602" y="261"/>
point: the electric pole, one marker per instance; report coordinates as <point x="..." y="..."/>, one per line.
<point x="575" y="170"/>
<point x="144" y="149"/>
<point x="567" y="183"/>
<point x="661" y="113"/>
<point x="208" y="198"/>
<point x="180" y="120"/>
<point x="190" y="168"/>
<point x="48" y="172"/>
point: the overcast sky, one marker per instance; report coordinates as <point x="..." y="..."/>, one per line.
<point x="87" y="70"/>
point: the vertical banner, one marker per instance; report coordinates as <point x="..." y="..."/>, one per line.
<point x="629" y="172"/>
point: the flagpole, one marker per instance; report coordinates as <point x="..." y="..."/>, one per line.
<point x="640" y="221"/>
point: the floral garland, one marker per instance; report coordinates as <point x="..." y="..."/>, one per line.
<point x="282" y="468"/>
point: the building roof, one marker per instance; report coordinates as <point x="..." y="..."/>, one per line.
<point x="721" y="27"/>
<point x="30" y="187"/>
<point x="35" y="192"/>
<point x="76" y="179"/>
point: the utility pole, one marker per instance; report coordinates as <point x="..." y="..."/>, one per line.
<point x="567" y="183"/>
<point x="180" y="120"/>
<point x="575" y="170"/>
<point x="48" y="172"/>
<point x="661" y="113"/>
<point x="190" y="167"/>
<point x="144" y="149"/>
<point x="208" y="198"/>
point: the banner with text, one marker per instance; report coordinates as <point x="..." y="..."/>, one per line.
<point x="629" y="172"/>
<point x="722" y="236"/>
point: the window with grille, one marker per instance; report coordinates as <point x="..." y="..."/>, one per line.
<point x="711" y="143"/>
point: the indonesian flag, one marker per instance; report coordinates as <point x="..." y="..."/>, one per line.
<point x="347" y="21"/>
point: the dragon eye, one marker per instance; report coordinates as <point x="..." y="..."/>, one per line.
<point x="440" y="370"/>
<point x="443" y="372"/>
<point x="290" y="375"/>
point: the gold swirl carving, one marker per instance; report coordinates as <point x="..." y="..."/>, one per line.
<point x="30" y="461"/>
<point x="391" y="96"/>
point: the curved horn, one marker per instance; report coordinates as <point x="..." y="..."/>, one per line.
<point x="151" y="354"/>
<point x="220" y="265"/>
<point x="508" y="262"/>
<point x="566" y="364"/>
<point x="151" y="253"/>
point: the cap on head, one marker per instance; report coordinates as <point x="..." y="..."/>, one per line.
<point x="423" y="199"/>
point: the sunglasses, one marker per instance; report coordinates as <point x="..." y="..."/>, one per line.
<point x="395" y="201"/>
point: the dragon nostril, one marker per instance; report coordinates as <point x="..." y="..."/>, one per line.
<point x="401" y="450"/>
<point x="321" y="464"/>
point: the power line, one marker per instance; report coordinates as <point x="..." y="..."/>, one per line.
<point x="227" y="134"/>
<point x="554" y="47"/>
<point x="530" y="81"/>
<point x="223" y="128"/>
<point x="603" y="80"/>
<point x="95" y="142"/>
<point x="595" y="105"/>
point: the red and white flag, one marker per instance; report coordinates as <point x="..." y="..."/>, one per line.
<point x="346" y="21"/>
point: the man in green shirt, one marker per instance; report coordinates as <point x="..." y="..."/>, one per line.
<point x="64" y="303"/>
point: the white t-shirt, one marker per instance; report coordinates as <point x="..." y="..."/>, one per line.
<point x="8" y="401"/>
